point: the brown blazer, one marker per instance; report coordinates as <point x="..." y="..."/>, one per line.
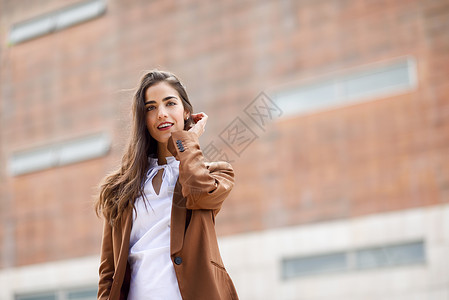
<point x="199" y="193"/>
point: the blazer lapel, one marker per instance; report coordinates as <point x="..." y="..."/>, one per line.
<point x="178" y="220"/>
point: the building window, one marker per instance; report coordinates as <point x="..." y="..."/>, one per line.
<point x="390" y="256"/>
<point x="78" y="294"/>
<point x="57" y="20"/>
<point x="353" y="260"/>
<point x="37" y="297"/>
<point x="87" y="294"/>
<point x="304" y="266"/>
<point x="59" y="154"/>
<point x="359" y="85"/>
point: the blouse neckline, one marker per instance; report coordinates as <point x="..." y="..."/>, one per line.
<point x="153" y="161"/>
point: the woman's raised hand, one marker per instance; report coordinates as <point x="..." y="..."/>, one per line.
<point x="200" y="120"/>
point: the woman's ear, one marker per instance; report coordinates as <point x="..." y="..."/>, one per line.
<point x="187" y="121"/>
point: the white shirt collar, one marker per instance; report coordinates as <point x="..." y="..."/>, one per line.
<point x="170" y="168"/>
<point x="171" y="161"/>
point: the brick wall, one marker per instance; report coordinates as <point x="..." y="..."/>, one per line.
<point x="387" y="154"/>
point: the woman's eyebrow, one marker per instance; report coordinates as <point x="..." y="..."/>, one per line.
<point x="165" y="99"/>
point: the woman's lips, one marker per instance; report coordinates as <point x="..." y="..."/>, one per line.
<point x="165" y="127"/>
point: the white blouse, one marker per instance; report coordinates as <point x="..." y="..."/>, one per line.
<point x="152" y="273"/>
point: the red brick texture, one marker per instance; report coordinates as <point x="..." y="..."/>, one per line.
<point x="377" y="156"/>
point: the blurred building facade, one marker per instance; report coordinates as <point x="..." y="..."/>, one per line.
<point x="334" y="115"/>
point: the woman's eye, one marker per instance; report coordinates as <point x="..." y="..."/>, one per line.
<point x="150" y="108"/>
<point x="171" y="103"/>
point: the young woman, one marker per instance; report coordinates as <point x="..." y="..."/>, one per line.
<point x="159" y="207"/>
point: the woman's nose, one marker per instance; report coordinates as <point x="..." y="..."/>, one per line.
<point x="161" y="113"/>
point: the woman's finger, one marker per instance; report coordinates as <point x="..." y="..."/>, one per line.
<point x="200" y="120"/>
<point x="197" y="117"/>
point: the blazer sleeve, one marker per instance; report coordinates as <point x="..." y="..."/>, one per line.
<point x="205" y="185"/>
<point x="106" y="270"/>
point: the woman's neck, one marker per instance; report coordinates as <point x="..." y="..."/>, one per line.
<point x="162" y="153"/>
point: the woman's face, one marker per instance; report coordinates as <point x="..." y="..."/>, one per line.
<point x="164" y="111"/>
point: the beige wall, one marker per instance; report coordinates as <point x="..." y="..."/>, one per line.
<point x="254" y="261"/>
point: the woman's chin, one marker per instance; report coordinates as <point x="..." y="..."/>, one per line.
<point x="163" y="138"/>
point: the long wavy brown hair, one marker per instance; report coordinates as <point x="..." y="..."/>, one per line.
<point x="119" y="189"/>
